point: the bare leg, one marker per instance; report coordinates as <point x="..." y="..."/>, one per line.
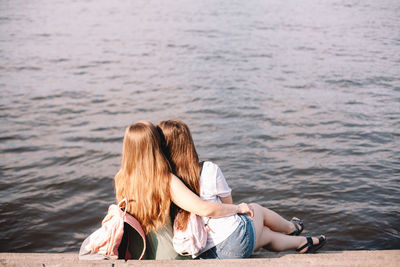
<point x="273" y="240"/>
<point x="273" y="220"/>
<point x="281" y="242"/>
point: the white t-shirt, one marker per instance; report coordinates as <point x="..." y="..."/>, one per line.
<point x="212" y="186"/>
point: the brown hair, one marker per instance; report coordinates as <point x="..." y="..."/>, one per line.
<point x="181" y="153"/>
<point x="144" y="176"/>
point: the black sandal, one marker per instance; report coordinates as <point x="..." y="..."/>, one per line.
<point x="298" y="224"/>
<point x="310" y="245"/>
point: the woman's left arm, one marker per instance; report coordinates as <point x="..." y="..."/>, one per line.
<point x="187" y="200"/>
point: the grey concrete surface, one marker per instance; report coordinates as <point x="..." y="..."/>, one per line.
<point x="344" y="258"/>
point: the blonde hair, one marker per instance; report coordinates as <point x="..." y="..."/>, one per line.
<point x="144" y="176"/>
<point x="181" y="153"/>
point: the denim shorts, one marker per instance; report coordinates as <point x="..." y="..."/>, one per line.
<point x="240" y="244"/>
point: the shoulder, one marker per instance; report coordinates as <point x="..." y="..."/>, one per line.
<point x="208" y="165"/>
<point x="210" y="172"/>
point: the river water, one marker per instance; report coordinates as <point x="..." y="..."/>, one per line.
<point x="298" y="102"/>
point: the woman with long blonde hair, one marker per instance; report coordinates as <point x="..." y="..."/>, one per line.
<point x="235" y="236"/>
<point x="146" y="181"/>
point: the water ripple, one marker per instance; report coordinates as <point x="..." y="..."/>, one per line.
<point x="301" y="114"/>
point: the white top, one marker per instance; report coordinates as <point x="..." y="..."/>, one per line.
<point x="212" y="186"/>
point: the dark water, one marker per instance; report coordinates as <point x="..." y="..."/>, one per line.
<point x="297" y="101"/>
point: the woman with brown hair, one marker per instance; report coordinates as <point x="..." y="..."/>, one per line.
<point x="146" y="181"/>
<point x="235" y="236"/>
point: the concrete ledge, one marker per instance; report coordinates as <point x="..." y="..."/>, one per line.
<point x="345" y="258"/>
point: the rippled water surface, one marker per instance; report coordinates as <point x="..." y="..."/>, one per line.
<point x="297" y="101"/>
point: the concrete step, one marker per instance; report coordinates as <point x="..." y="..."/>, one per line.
<point x="343" y="258"/>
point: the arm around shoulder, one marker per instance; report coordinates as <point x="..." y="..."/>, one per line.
<point x="184" y="198"/>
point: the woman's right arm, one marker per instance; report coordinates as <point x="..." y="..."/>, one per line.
<point x="187" y="200"/>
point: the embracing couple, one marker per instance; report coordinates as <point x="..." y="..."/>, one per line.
<point x="161" y="177"/>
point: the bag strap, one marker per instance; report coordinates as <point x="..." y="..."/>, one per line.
<point x="126" y="205"/>
<point x="134" y="223"/>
